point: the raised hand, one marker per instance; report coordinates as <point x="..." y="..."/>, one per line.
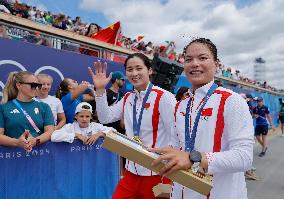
<point x="100" y="80"/>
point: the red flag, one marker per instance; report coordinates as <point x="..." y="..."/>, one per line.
<point x="207" y="112"/>
<point x="109" y="34"/>
<point x="139" y="38"/>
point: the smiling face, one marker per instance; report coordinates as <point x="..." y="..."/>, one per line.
<point x="25" y="90"/>
<point x="46" y="85"/>
<point x="199" y="64"/>
<point x="137" y="73"/>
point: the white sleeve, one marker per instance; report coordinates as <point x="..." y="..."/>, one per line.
<point x="59" y="107"/>
<point x="108" y="114"/>
<point x="167" y="109"/>
<point x="65" y="134"/>
<point x="97" y="127"/>
<point x="238" y="135"/>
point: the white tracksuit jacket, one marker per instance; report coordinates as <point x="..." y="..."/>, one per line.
<point x="225" y="133"/>
<point x="157" y="123"/>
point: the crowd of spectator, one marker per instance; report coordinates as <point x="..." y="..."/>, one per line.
<point x="76" y="25"/>
<point x="236" y="75"/>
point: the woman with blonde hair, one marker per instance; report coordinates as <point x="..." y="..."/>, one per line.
<point x="24" y="122"/>
<point x="54" y="103"/>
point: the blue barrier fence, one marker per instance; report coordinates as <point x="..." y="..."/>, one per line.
<point x="58" y="171"/>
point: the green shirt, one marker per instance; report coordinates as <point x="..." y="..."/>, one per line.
<point x="14" y="122"/>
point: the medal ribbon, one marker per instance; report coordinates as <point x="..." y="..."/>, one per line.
<point x="190" y="136"/>
<point x="137" y="124"/>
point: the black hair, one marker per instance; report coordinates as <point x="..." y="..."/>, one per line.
<point x="180" y="92"/>
<point x="208" y="43"/>
<point x="89" y="28"/>
<point x="62" y="89"/>
<point x="147" y="62"/>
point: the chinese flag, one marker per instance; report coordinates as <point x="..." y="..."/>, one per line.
<point x="109" y="34"/>
<point x="207" y="112"/>
<point x="140" y="37"/>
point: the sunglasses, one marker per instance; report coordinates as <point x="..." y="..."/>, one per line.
<point x="33" y="85"/>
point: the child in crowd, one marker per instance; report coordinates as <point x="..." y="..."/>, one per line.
<point x="82" y="128"/>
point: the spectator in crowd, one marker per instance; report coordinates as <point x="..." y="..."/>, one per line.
<point x="281" y="115"/>
<point x="4" y="9"/>
<point x="38" y="39"/>
<point x="71" y="94"/>
<point x="219" y="144"/>
<point x="91" y="32"/>
<point x="49" y="18"/>
<point x="261" y="112"/>
<point x="236" y="75"/>
<point x="228" y="73"/>
<point x="3" y="32"/>
<point x="93" y="28"/>
<point x="250" y="174"/>
<point x="152" y="105"/>
<point x="250" y="102"/>
<point x="53" y="102"/>
<point x="182" y="93"/>
<point x="82" y="128"/>
<point x="60" y="22"/>
<point x="24" y="122"/>
<point x="115" y="94"/>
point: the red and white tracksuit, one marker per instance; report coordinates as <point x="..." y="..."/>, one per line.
<point x="225" y="134"/>
<point x="157" y="122"/>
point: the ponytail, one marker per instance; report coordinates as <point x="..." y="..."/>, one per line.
<point x="10" y="90"/>
<point x="62" y="88"/>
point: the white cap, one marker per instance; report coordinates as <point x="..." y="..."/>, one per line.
<point x="83" y="106"/>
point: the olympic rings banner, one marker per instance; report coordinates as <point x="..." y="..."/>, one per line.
<point x="22" y="56"/>
<point x="58" y="171"/>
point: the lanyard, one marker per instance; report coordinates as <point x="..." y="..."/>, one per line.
<point x="27" y="116"/>
<point x="137" y="124"/>
<point x="190" y="137"/>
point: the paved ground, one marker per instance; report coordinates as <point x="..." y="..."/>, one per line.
<point x="270" y="170"/>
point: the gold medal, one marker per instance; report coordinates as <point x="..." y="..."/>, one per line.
<point x="137" y="139"/>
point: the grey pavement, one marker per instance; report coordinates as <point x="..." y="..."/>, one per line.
<point x="269" y="169"/>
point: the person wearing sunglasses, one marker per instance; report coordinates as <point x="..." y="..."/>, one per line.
<point x="24" y="122"/>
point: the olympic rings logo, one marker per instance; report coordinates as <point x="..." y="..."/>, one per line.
<point x="22" y="68"/>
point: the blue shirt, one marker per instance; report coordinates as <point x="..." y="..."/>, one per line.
<point x="14" y="122"/>
<point x="69" y="106"/>
<point x="262" y="112"/>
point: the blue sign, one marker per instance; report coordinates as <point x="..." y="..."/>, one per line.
<point x="58" y="171"/>
<point x="21" y="56"/>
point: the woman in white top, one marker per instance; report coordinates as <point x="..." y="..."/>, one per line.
<point x="147" y="113"/>
<point x="82" y="128"/>
<point x="53" y="102"/>
<point x="214" y="130"/>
